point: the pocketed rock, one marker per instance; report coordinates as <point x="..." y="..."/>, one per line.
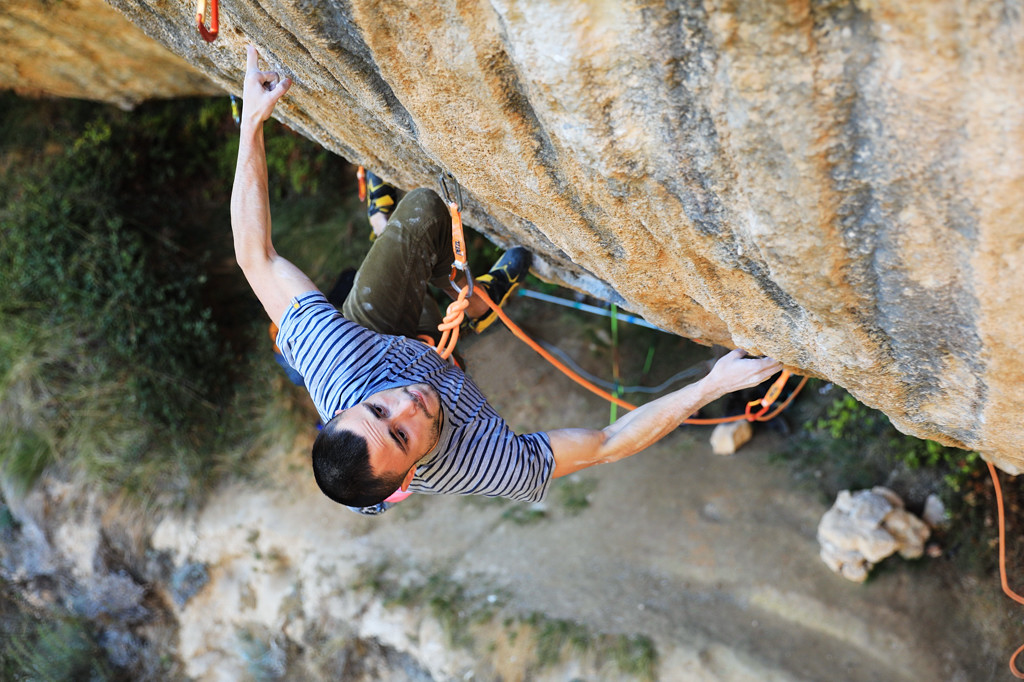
<point x="864" y="527"/>
<point x="726" y="439"/>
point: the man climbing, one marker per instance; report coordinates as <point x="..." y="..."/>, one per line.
<point x="397" y="416"/>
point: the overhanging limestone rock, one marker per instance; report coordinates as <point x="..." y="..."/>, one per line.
<point x="835" y="184"/>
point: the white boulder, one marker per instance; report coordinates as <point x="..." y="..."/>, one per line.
<point x="864" y="527"/>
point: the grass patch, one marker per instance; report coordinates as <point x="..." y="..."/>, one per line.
<point x="634" y="655"/>
<point x="459" y="611"/>
<point x="845" y="445"/>
<point x="524" y="514"/>
<point x="48" y="645"/>
<point x="448" y="601"/>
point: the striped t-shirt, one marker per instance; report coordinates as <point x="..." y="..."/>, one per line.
<point x="477" y="453"/>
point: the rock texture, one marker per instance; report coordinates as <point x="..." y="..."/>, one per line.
<point x="836" y="184"/>
<point x="87" y="50"/>
<point x="726" y="439"/>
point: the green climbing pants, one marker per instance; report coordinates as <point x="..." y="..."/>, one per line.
<point x="390" y="294"/>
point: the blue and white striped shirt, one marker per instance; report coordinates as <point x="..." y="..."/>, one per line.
<point x="477" y="453"/>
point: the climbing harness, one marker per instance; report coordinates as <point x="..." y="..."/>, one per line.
<point x="209" y="35"/>
<point x="1002" y="562"/>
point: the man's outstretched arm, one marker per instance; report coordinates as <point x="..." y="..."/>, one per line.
<point x="576" y="449"/>
<point x="273" y="279"/>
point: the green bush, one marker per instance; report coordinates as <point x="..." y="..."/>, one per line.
<point x="846" y="445"/>
<point x="126" y="323"/>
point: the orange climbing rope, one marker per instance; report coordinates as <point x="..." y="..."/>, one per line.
<point x="449" y="327"/>
<point x="457" y="310"/>
<point x="1002" y="562"/>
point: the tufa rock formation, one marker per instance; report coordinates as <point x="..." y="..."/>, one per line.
<point x="837" y="184"/>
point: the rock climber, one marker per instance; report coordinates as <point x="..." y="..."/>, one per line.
<point x="396" y="415"/>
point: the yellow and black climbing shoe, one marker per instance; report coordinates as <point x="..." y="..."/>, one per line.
<point x="500" y="282"/>
<point x="380" y="198"/>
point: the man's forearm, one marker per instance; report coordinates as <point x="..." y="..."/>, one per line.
<point x="650" y="423"/>
<point x="577" y="449"/>
<point x="250" y="202"/>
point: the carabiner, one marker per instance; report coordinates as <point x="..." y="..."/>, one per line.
<point x="770" y="397"/>
<point x="459" y="252"/>
<point x="446" y="193"/>
<point x="211" y="34"/>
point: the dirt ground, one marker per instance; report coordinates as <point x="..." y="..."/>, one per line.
<point x="714" y="558"/>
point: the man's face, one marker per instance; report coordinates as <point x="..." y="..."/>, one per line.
<point x="400" y="426"/>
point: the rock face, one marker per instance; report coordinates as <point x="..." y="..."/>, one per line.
<point x="87" y="50"/>
<point x="836" y="184"/>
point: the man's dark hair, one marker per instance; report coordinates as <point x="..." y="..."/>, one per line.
<point x="341" y="467"/>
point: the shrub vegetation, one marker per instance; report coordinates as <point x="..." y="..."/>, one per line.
<point x="125" y="348"/>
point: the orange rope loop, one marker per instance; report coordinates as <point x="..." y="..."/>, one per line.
<point x="1002" y="562"/>
<point x="770" y="397"/>
<point x="449" y="327"/>
<point x="211" y="34"/>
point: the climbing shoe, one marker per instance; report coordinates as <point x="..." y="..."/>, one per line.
<point x="500" y="282"/>
<point x="380" y="198"/>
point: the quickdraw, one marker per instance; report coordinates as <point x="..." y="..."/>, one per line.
<point x="209" y="35"/>
<point x="449" y="327"/>
<point x="460" y="262"/>
<point x="769" y="398"/>
<point x="361" y="177"/>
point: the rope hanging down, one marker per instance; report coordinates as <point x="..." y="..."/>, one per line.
<point x="1002" y="563"/>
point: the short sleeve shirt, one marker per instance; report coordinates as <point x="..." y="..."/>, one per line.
<point x="477" y="453"/>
